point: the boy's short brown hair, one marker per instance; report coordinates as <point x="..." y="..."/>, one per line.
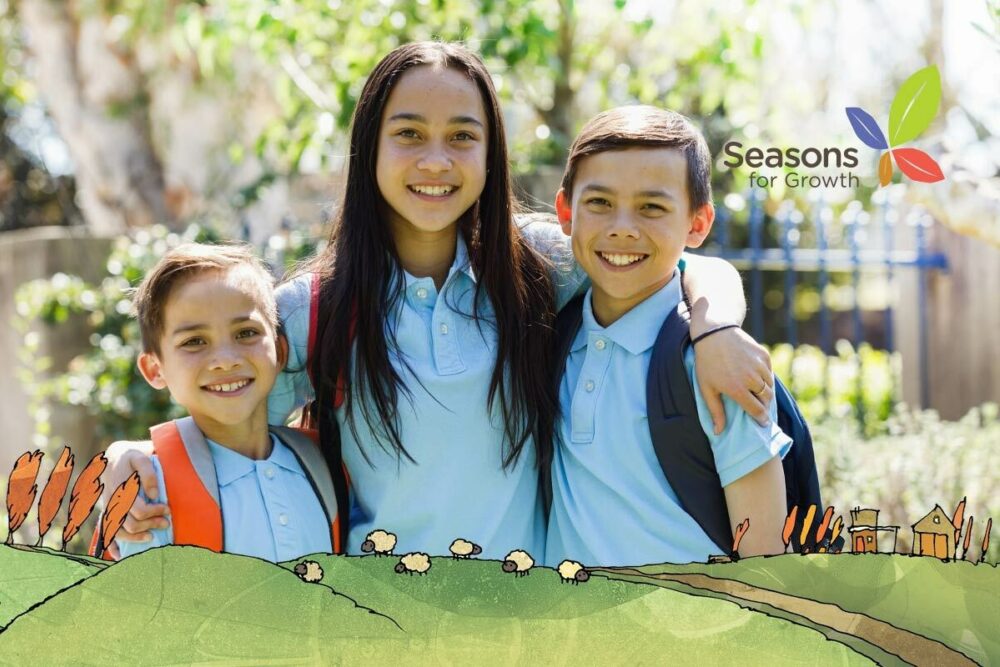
<point x="643" y="126"/>
<point x="150" y="298"/>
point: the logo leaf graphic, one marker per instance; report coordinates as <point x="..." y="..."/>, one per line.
<point x="914" y="107"/>
<point x="918" y="165"/>
<point x="885" y="169"/>
<point x="866" y="128"/>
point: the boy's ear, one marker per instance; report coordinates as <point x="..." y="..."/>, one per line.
<point x="701" y="225"/>
<point x="150" y="368"/>
<point x="564" y="211"/>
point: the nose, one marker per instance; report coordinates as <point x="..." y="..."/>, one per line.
<point x="226" y="357"/>
<point x="623" y="226"/>
<point x="435" y="159"/>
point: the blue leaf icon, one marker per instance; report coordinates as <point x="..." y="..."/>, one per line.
<point x="866" y="128"/>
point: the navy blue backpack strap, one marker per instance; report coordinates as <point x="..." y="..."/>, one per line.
<point x="685" y="453"/>
<point x="680" y="444"/>
<point x="568" y="323"/>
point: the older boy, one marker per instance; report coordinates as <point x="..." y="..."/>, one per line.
<point x="635" y="193"/>
<point x="208" y="320"/>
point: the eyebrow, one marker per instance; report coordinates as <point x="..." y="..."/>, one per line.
<point x="185" y="328"/>
<point x="662" y="194"/>
<point x="454" y="120"/>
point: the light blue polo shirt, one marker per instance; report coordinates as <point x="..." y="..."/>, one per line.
<point x="457" y="487"/>
<point x="611" y="503"/>
<point x="269" y="508"/>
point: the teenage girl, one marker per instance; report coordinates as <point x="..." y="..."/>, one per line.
<point x="433" y="322"/>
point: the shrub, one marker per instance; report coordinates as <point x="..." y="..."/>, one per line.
<point x="921" y="462"/>
<point x="856" y="385"/>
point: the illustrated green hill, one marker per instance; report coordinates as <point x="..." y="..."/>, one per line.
<point x="184" y="605"/>
<point x="956" y="603"/>
<point x="29" y="577"/>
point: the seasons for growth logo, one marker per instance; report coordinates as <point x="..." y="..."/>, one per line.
<point x="914" y="107"/>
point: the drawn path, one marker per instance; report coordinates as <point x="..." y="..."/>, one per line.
<point x="910" y="647"/>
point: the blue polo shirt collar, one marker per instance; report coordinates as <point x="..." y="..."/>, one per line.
<point x="461" y="264"/>
<point x="636" y="330"/>
<point x="230" y="465"/>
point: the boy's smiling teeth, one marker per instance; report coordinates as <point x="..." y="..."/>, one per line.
<point x="228" y="387"/>
<point x="433" y="190"/>
<point x="620" y="259"/>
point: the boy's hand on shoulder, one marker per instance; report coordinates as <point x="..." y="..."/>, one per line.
<point x="731" y="362"/>
<point x="124" y="458"/>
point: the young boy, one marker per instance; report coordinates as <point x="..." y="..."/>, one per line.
<point x="208" y="320"/>
<point x="635" y="193"/>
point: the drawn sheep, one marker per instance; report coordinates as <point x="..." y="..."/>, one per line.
<point x="464" y="549"/>
<point x="572" y="571"/>
<point x="519" y="562"/>
<point x="414" y="562"/>
<point x="379" y="541"/>
<point x="310" y="571"/>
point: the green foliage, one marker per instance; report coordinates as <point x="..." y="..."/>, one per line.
<point x="560" y="60"/>
<point x="919" y="462"/>
<point x="854" y="385"/>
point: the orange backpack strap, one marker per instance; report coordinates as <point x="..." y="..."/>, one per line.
<point x="328" y="486"/>
<point x="192" y="489"/>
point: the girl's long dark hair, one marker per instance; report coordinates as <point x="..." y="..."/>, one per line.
<point x="361" y="280"/>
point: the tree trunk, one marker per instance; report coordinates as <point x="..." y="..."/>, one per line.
<point x="95" y="94"/>
<point x="558" y="118"/>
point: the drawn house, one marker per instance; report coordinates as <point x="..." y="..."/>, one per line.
<point x="934" y="535"/>
<point x="864" y="531"/>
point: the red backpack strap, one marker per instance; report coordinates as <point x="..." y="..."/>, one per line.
<point x="314" y="292"/>
<point x="194" y="513"/>
<point x="313" y="323"/>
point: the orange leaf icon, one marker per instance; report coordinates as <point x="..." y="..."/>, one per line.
<point x="21" y="489"/>
<point x="55" y="491"/>
<point x="84" y="496"/>
<point x="885" y="169"/>
<point x="118" y="507"/>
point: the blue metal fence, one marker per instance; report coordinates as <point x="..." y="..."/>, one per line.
<point x="785" y="239"/>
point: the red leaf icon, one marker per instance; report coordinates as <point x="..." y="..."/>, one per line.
<point x="918" y="165"/>
<point x="885" y="169"/>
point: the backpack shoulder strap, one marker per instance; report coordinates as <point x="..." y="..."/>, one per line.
<point x="314" y="285"/>
<point x="192" y="487"/>
<point x="331" y="489"/>
<point x="315" y="289"/>
<point x="568" y="323"/>
<point x="681" y="446"/>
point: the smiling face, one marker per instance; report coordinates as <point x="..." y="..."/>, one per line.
<point x="432" y="150"/>
<point x="630" y="221"/>
<point x="218" y="354"/>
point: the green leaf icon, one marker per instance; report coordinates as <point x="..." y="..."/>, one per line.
<point x="915" y="106"/>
